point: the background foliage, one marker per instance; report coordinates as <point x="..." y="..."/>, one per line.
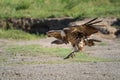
<point x="59" y="8"/>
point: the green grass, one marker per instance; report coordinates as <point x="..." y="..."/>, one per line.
<point x="37" y="50"/>
<point x="59" y="8"/>
<point x="18" y="35"/>
<point x="103" y="44"/>
<point x="86" y="58"/>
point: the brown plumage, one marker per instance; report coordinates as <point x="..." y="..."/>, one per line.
<point x="77" y="40"/>
<point x="89" y="28"/>
<point x="78" y="35"/>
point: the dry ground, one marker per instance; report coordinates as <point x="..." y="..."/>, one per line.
<point x="67" y="71"/>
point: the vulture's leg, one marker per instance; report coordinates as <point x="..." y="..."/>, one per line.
<point x="77" y="47"/>
<point x="72" y="54"/>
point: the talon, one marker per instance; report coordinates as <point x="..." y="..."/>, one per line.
<point x="72" y="55"/>
<point x="67" y="57"/>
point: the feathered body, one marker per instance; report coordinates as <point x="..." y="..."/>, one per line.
<point x="78" y="35"/>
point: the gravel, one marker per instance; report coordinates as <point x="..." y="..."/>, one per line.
<point x="66" y="71"/>
<point x="74" y="71"/>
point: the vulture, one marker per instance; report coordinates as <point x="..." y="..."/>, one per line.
<point x="77" y="35"/>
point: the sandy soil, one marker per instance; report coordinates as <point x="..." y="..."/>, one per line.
<point x="66" y="71"/>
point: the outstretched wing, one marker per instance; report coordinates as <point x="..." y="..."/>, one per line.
<point x="89" y="28"/>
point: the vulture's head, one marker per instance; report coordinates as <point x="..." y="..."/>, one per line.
<point x="53" y="33"/>
<point x="56" y="34"/>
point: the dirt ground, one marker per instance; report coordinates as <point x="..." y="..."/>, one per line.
<point x="66" y="71"/>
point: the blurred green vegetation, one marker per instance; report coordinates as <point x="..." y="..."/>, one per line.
<point x="37" y="50"/>
<point x="18" y="35"/>
<point x="59" y="8"/>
